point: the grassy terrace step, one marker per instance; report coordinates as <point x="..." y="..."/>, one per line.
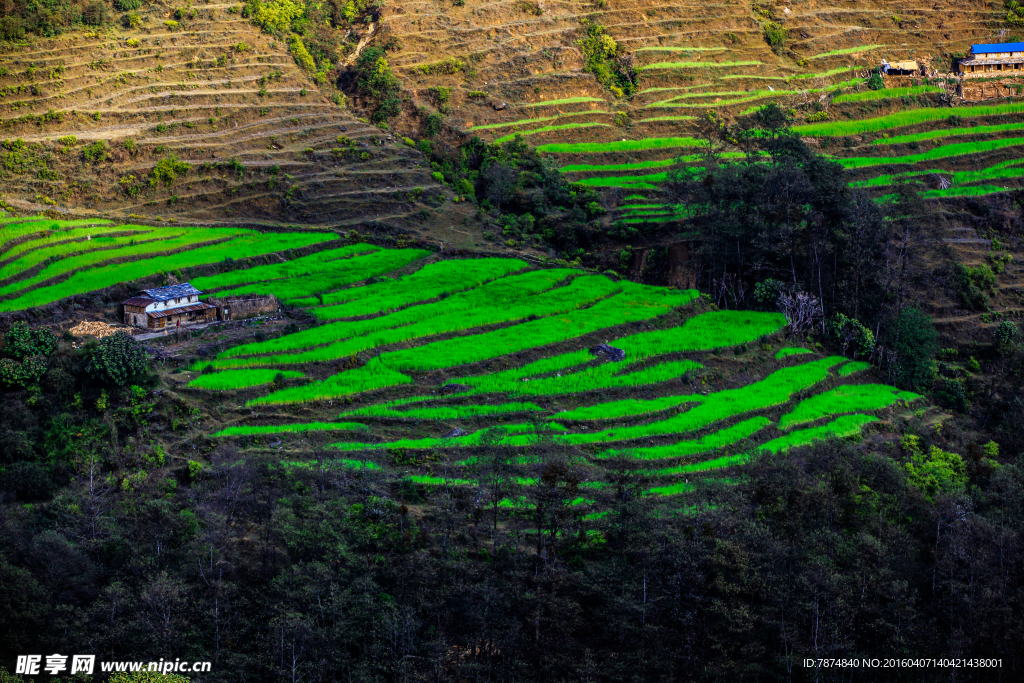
<point x="886" y="94"/>
<point x="846" y="51"/>
<point x="901" y="119"/>
<point x="941" y="152"/>
<point x="247" y="430"/>
<point x="776" y="389"/>
<point x="701" y="333"/>
<point x="81" y="235"/>
<point x="442" y="412"/>
<point x="555" y="103"/>
<point x="696" y="65"/>
<point x="246" y="243"/>
<point x="333" y="274"/>
<point x="14" y="229"/>
<point x="430" y="281"/>
<point x="721" y="438"/>
<point x="620" y="146"/>
<point x="548" y="129"/>
<point x="847" y="425"/>
<point x="239" y="379"/>
<point x="851" y="398"/>
<point x="852" y="367"/>
<point x="539" y="119"/>
<point x="505" y="299"/>
<point x="953" y="132"/>
<point x="633" y="303"/>
<point x="305" y="265"/>
<point x="1005" y="169"/>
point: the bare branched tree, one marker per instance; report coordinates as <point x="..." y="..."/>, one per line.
<point x="801" y="309"/>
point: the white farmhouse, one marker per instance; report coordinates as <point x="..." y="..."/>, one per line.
<point x="172" y="306"/>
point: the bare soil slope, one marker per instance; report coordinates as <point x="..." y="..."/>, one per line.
<point x="263" y="142"/>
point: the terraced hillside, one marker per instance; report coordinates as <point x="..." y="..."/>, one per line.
<point x="525" y="68"/>
<point x="204" y="118"/>
<point x="485" y="373"/>
<point x="417" y="366"/>
<point x="43" y="261"/>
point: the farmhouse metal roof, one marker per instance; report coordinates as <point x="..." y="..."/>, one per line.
<point x="987" y="48"/>
<point x="171" y="292"/>
<point x="139" y="301"/>
<point x="178" y="310"/>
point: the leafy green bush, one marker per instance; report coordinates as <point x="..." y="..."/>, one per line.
<point x="376" y="81"/>
<point x="302" y="56"/>
<point x="167" y="170"/>
<point x="95" y="152"/>
<point x="275" y="16"/>
<point x="849" y="332"/>
<point x="20" y="342"/>
<point x="1007" y="337"/>
<point x="775" y="34"/>
<point x="972" y="285"/>
<point x="11" y="28"/>
<point x="600" y="53"/>
<point x="127" y="5"/>
<point x="1014" y="14"/>
<point x="117" y="359"/>
<point x="934" y="472"/>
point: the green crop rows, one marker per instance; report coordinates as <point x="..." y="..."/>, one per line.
<point x="949" y="133"/>
<point x="511" y="345"/>
<point x="900" y="119"/>
<point x="306" y="265"/>
<point x="548" y="129"/>
<point x="239" y="379"/>
<point x="885" y="93"/>
<point x="335" y="274"/>
<point x="539" y="119"/>
<point x="88" y="272"/>
<point x="845" y="399"/>
<point x="696" y="65"/>
<point x="292" y="428"/>
<point x="846" y="51"/>
<point x="567" y="100"/>
<point x="430" y="281"/>
<point x="621" y="146"/>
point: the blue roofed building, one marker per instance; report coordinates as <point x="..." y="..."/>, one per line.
<point x="993" y="59"/>
<point x="171" y="306"/>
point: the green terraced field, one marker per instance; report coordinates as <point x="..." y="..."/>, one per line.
<point x="696" y="65"/>
<point x="845" y="399"/>
<point x="621" y="146"/>
<point x="500" y="349"/>
<point x="92" y="271"/>
<point x="784" y="353"/>
<point x="292" y="428"/>
<point x="941" y="152"/>
<point x="901" y="119"/>
<point x="885" y="94"/>
<point x="539" y="119"/>
<point x="548" y="129"/>
<point x="307" y="265"/>
<point x="952" y="132"/>
<point x="567" y="100"/>
<point x="332" y="275"/>
<point x="846" y="51"/>
<point x="239" y="379"/>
